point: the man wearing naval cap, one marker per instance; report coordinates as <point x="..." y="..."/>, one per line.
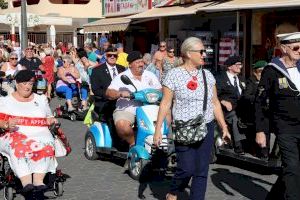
<point x="280" y="86"/>
<point x="124" y="115"/>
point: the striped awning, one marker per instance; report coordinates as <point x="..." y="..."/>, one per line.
<point x="248" y="4"/>
<point x="107" y="24"/>
<point x="169" y="11"/>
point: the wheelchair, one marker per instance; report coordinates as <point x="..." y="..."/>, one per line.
<point x="12" y="185"/>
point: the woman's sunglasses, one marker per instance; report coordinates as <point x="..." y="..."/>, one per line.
<point x="111" y="55"/>
<point x="171" y="51"/>
<point x="13" y="58"/>
<point x="201" y="51"/>
<point x="295" y="48"/>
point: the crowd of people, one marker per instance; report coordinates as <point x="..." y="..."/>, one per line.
<point x="189" y="92"/>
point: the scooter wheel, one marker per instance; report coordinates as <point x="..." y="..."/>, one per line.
<point x="58" y="189"/>
<point x="8" y="193"/>
<point x="90" y="151"/>
<point x="72" y="116"/>
<point x="137" y="167"/>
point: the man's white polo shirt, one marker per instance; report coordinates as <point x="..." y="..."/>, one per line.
<point x="149" y="80"/>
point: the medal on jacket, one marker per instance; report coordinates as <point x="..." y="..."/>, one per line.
<point x="283" y="83"/>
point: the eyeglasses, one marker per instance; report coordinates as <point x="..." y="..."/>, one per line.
<point x="171" y="51"/>
<point x="201" y="51"/>
<point x="295" y="48"/>
<point x="111" y="55"/>
<point x="13" y="58"/>
<point x="162" y="45"/>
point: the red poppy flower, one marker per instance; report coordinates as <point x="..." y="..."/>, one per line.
<point x="48" y="151"/>
<point x="192" y="85"/>
<point x="18" y="136"/>
<point x="21" y="150"/>
<point x="36" y="156"/>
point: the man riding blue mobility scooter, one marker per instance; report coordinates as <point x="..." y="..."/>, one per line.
<point x="137" y="93"/>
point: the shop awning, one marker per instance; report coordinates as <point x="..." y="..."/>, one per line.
<point x="169" y="11"/>
<point x="107" y="24"/>
<point x="248" y="4"/>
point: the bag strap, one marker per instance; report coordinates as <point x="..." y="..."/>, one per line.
<point x="205" y="91"/>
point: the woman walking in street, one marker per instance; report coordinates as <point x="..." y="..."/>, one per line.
<point x="190" y="87"/>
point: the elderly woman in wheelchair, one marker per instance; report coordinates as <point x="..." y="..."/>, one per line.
<point x="26" y="141"/>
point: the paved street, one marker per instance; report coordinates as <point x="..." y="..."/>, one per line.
<point x="108" y="180"/>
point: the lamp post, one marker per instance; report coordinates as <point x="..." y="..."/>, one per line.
<point x="24" y="36"/>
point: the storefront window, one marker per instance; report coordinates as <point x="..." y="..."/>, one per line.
<point x="219" y="33"/>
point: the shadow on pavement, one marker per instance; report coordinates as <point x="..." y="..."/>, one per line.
<point x="243" y="184"/>
<point x="159" y="186"/>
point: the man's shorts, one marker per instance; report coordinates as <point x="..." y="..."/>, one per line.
<point x="123" y="115"/>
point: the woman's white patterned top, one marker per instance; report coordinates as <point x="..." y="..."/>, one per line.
<point x="188" y="104"/>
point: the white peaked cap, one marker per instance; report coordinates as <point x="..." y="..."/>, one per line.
<point x="288" y="38"/>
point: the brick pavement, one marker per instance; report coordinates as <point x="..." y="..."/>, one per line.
<point x="106" y="180"/>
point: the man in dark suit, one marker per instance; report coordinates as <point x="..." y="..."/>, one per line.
<point x="230" y="87"/>
<point x="100" y="79"/>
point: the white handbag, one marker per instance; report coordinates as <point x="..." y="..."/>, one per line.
<point x="60" y="149"/>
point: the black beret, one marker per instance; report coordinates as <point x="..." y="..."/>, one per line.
<point x="24" y="76"/>
<point x="134" y="55"/>
<point x="111" y="49"/>
<point x="232" y="60"/>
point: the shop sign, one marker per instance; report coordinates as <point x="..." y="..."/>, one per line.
<point x="124" y="7"/>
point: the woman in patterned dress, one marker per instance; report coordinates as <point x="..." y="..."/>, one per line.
<point x="185" y="85"/>
<point x="27" y="141"/>
<point x="169" y="62"/>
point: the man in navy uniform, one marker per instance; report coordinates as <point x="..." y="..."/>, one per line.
<point x="280" y="83"/>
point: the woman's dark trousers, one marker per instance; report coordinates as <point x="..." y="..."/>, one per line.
<point x="193" y="162"/>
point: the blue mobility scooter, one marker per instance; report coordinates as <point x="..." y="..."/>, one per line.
<point x="98" y="139"/>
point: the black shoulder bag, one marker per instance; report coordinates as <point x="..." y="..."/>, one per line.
<point x="193" y="130"/>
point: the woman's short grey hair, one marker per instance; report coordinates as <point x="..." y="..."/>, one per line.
<point x="147" y="57"/>
<point x="67" y="58"/>
<point x="13" y="54"/>
<point x="189" y="44"/>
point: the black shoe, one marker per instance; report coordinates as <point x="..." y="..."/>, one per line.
<point x="27" y="192"/>
<point x="38" y="193"/>
<point x="28" y="188"/>
<point x="41" y="187"/>
<point x="239" y="149"/>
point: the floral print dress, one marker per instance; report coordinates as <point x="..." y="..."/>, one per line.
<point x="30" y="147"/>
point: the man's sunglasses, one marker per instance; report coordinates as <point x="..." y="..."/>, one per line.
<point x="13" y="58"/>
<point x="295" y="48"/>
<point x="162" y="45"/>
<point x="201" y="51"/>
<point x="111" y="55"/>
